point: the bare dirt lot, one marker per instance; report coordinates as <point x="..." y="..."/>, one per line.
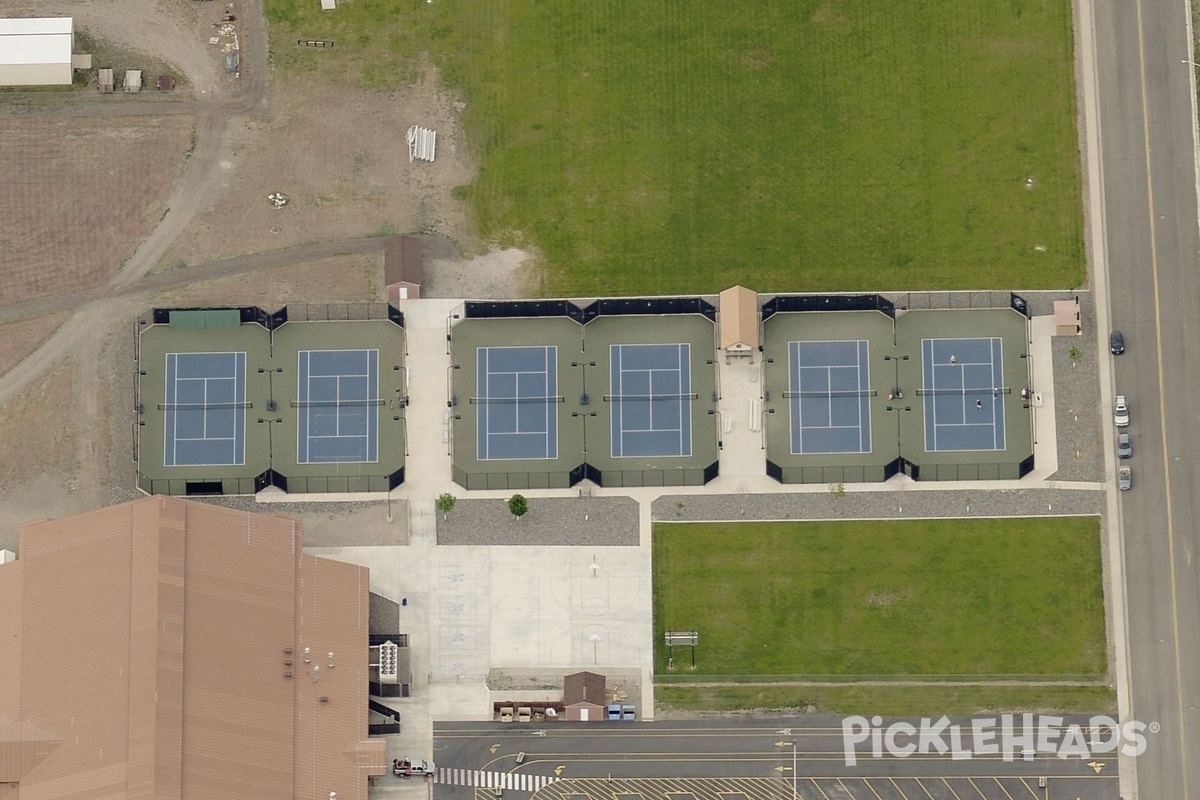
<point x="19" y="339"/>
<point x="38" y="473"/>
<point x="340" y="157"/>
<point x="79" y="194"/>
<point x="344" y="279"/>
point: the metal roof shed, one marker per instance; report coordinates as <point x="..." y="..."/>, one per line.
<point x="36" y="51"/>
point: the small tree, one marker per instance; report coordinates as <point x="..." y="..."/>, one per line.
<point x="837" y="490"/>
<point x="518" y="505"/>
<point x="445" y="503"/>
<point x="1074" y="354"/>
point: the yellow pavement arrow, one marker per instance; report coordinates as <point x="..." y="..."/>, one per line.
<point x="559" y="769"/>
<point x="1096" y="765"/>
<point x="783" y="769"/>
<point x="494" y="748"/>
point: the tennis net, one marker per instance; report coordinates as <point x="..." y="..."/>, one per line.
<point x="202" y="406"/>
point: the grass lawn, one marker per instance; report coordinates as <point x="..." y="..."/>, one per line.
<point x="787" y="144"/>
<point x="888" y="700"/>
<point x="978" y="597"/>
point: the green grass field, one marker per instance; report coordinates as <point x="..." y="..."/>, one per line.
<point x="785" y="144"/>
<point x="1017" y="597"/>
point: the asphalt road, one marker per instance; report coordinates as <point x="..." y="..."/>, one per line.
<point x="1148" y="160"/>
<point x="603" y="760"/>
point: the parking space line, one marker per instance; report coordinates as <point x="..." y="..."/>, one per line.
<point x="1001" y="785"/>
<point x="1024" y="785"/>
<point x="849" y="792"/>
<point x="871" y="788"/>
<point x="903" y="793"/>
<point x="976" y="788"/>
<point x="921" y="783"/>
<point x="819" y="789"/>
<point x="946" y="783"/>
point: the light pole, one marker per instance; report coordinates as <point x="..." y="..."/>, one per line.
<point x="583" y="365"/>
<point x="450" y="400"/>
<point x="896" y="391"/>
<point x="584" y="416"/>
<point x="449" y="322"/>
<point x="595" y="640"/>
<point x="1028" y="400"/>
<point x="896" y="410"/>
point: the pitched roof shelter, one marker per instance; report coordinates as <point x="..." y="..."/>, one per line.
<point x="739" y="322"/>
<point x="584" y="697"/>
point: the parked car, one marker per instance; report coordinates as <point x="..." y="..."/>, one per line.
<point x="1124" y="478"/>
<point x="406" y="768"/>
<point x="1121" y="412"/>
<point x="1124" y="444"/>
<point x="1116" y="343"/>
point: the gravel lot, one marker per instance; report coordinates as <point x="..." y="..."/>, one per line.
<point x="879" y="505"/>
<point x="1077" y="402"/>
<point x="593" y="521"/>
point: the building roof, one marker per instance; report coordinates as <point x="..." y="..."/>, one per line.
<point x="143" y="649"/>
<point x="403" y="261"/>
<point x="44" y="40"/>
<point x="739" y="318"/>
<point x="583" y="687"/>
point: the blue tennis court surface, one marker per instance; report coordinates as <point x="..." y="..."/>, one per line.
<point x="964" y="394"/>
<point x="651" y="400"/>
<point x="516" y="403"/>
<point x="829" y="393"/>
<point x="337" y="396"/>
<point x="205" y="410"/>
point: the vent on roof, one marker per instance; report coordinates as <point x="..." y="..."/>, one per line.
<point x="387" y="659"/>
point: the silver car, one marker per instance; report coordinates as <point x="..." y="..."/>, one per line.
<point x="1124" y="478"/>
<point x="1124" y="444"/>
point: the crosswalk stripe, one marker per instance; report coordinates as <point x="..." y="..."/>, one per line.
<point x="515" y="781"/>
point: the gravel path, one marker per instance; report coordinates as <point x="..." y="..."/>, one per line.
<point x="593" y="521"/>
<point x="1077" y="403"/>
<point x="879" y="505"/>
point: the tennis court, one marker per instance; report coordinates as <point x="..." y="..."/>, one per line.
<point x="829" y="396"/>
<point x="517" y="403"/>
<point x="204" y="409"/>
<point x="337" y="397"/>
<point x="650" y="400"/>
<point x="964" y="394"/>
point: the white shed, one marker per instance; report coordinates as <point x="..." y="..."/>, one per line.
<point x="36" y="51"/>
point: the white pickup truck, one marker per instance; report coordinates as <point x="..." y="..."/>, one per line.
<point x="1121" y="412"/>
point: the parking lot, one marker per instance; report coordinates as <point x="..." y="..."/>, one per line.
<point x="733" y="759"/>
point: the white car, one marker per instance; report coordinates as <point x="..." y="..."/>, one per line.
<point x="1121" y="412"/>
